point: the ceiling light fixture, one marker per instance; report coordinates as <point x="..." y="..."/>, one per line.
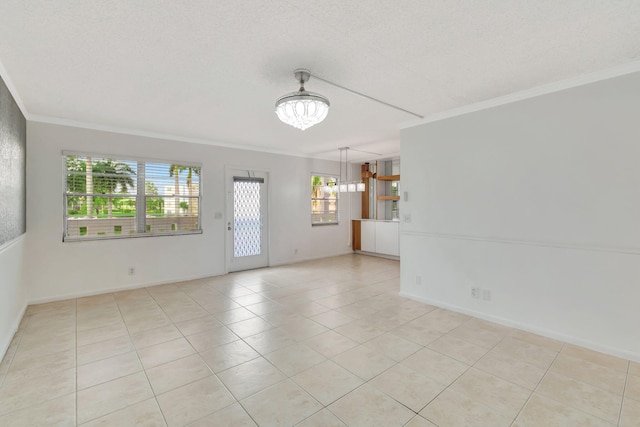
<point x="302" y="109"/>
<point x="347" y="186"/>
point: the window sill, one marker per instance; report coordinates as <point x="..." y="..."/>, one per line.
<point x="129" y="236"/>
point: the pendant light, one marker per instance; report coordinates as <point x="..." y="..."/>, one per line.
<point x="342" y="186"/>
<point x="348" y="186"/>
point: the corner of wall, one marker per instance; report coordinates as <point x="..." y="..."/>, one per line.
<point x="525" y="327"/>
<point x="13" y="293"/>
<point x="13" y="329"/>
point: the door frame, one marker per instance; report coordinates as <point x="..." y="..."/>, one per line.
<point x="229" y="172"/>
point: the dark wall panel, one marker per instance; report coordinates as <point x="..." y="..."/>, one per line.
<point x="13" y="167"/>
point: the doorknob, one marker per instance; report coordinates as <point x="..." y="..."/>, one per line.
<point x="229" y="226"/>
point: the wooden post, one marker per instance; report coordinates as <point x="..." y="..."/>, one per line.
<point x="355" y="236"/>
<point x="365" y="174"/>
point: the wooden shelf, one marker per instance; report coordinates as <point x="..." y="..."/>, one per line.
<point x="389" y="178"/>
<point x="388" y="197"/>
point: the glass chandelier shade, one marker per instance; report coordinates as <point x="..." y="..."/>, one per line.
<point x="302" y="109"/>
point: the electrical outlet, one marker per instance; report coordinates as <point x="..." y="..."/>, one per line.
<point x="418" y="280"/>
<point x="406" y="218"/>
<point x="132" y="271"/>
<point x="486" y="295"/>
<point x="476" y="292"/>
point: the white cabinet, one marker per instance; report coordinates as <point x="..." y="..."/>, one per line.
<point x="368" y="236"/>
<point x="387" y="241"/>
<point x="380" y="237"/>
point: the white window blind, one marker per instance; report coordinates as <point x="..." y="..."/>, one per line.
<point x="107" y="197"/>
<point x="324" y="200"/>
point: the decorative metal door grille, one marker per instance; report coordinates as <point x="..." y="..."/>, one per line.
<point x="247" y="219"/>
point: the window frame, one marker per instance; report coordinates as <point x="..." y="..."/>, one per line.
<point x="335" y="179"/>
<point x="140" y="197"/>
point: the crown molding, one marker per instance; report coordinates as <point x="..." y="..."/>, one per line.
<point x="13" y="91"/>
<point x="628" y="68"/>
<point x="158" y="135"/>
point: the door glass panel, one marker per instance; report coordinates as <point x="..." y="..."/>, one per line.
<point x="247" y="220"/>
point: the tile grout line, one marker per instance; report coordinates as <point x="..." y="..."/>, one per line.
<point x="458" y="377"/>
<point x="76" y="352"/>
<point x="139" y="360"/>
<point x="375" y="376"/>
<point x="537" y="385"/>
<point x="129" y="336"/>
<point x="238" y="401"/>
<point x="198" y="353"/>
<point x="624" y="392"/>
<point x="20" y="337"/>
<point x="373" y="298"/>
<point x="290" y="378"/>
<point x="45" y="399"/>
<point x="573" y="379"/>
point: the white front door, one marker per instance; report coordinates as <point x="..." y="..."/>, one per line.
<point x="247" y="219"/>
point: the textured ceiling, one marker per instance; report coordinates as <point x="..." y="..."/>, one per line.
<point x="210" y="71"/>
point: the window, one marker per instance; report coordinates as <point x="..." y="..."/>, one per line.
<point x="324" y="200"/>
<point x="106" y="197"/>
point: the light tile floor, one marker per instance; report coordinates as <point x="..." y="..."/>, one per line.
<point x="321" y="343"/>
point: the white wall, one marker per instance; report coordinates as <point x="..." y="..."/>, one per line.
<point x="71" y="269"/>
<point x="537" y="201"/>
<point x="13" y="295"/>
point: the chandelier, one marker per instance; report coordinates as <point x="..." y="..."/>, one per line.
<point x="302" y="109"/>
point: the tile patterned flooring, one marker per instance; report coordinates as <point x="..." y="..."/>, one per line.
<point x="320" y="343"/>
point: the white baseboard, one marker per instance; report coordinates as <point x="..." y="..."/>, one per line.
<point x="539" y="331"/>
<point x="128" y="287"/>
<point x="393" y="257"/>
<point x="277" y="263"/>
<point x="117" y="289"/>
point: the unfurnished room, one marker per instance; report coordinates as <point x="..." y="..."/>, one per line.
<point x="322" y="213"/>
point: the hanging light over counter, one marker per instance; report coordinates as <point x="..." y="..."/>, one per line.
<point x="348" y="186"/>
